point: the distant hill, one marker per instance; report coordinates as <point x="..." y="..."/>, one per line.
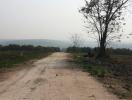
<point x="57" y="43"/>
<point x="37" y="42"/>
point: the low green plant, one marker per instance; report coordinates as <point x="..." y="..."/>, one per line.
<point x="95" y="70"/>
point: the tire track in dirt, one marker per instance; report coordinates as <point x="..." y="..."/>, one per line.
<point x="53" y="78"/>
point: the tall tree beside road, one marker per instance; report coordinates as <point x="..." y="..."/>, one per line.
<point x="104" y="19"/>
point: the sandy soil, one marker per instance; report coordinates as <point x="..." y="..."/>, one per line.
<point x="53" y="78"/>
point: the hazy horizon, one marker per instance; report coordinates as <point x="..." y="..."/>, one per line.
<point x="42" y="19"/>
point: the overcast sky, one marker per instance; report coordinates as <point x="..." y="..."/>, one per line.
<point x="43" y="19"/>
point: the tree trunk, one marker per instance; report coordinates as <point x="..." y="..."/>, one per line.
<point x="102" y="49"/>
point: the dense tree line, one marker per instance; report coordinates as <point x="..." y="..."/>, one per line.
<point x="79" y="49"/>
<point x="117" y="51"/>
<point x="122" y="51"/>
<point x="14" y="47"/>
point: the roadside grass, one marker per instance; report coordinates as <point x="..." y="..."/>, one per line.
<point x="10" y="58"/>
<point x="95" y="70"/>
<point x="115" y="74"/>
<point x="11" y="55"/>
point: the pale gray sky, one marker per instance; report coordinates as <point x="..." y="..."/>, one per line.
<point x="42" y="19"/>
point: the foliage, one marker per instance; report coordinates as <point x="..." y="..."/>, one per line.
<point x="14" y="47"/>
<point x="79" y="49"/>
<point x="110" y="51"/>
<point x="120" y="51"/>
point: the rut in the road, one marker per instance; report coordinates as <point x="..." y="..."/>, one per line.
<point x="53" y="78"/>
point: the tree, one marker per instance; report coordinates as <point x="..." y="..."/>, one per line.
<point x="75" y="39"/>
<point x="105" y="20"/>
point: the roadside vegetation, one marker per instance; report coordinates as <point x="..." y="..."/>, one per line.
<point x="15" y="54"/>
<point x="114" y="72"/>
<point x="104" y="22"/>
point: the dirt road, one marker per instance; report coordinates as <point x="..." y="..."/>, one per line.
<point x="53" y="78"/>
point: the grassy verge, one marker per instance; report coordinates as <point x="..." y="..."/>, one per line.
<point x="116" y="77"/>
<point x="15" y="54"/>
<point x="93" y="69"/>
<point x="10" y="58"/>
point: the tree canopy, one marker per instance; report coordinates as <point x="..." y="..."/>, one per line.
<point x="104" y="19"/>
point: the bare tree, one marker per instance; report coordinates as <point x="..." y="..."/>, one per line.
<point x="105" y="20"/>
<point x="76" y="40"/>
